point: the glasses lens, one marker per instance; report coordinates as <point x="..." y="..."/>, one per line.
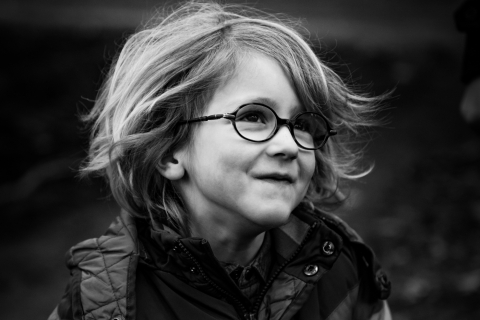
<point x="255" y="122"/>
<point x="311" y="130"/>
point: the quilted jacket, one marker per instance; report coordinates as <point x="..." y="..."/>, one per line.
<point x="322" y="271"/>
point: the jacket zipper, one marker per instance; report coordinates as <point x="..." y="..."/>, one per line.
<point x="248" y="315"/>
<point x="269" y="283"/>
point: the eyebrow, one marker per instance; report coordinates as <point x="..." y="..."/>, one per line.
<point x="273" y="104"/>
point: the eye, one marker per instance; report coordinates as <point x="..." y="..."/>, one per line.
<point x="252" y="116"/>
<point x="302" y="125"/>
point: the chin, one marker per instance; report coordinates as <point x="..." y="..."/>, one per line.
<point x="272" y="218"/>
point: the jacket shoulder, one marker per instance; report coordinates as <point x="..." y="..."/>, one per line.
<point x="103" y="274"/>
<point x="119" y="240"/>
<point x="375" y="281"/>
<point x="335" y="222"/>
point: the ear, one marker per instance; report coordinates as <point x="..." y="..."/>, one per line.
<point x="171" y="168"/>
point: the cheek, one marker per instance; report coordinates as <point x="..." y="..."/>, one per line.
<point x="308" y="167"/>
<point x="233" y="164"/>
<point x="220" y="161"/>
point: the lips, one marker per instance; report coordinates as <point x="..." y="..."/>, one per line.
<point x="276" y="177"/>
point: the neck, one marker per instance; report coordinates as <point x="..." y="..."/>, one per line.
<point x="229" y="247"/>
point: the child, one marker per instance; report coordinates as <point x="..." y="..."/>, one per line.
<point x="221" y="135"/>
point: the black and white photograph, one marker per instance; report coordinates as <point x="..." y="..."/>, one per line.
<point x="233" y="159"/>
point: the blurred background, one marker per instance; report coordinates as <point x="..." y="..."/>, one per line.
<point x="419" y="209"/>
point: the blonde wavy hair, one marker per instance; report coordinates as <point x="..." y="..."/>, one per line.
<point x="167" y="72"/>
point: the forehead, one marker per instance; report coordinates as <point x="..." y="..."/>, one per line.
<point x="258" y="78"/>
<point x="274" y="105"/>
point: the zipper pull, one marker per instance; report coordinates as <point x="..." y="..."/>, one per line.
<point x="249" y="316"/>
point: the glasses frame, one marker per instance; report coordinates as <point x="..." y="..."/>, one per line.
<point x="290" y="123"/>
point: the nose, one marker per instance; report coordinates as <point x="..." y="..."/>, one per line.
<point x="282" y="144"/>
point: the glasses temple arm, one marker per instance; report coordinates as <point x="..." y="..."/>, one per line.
<point x="211" y="117"/>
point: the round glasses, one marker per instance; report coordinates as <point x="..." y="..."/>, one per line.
<point x="258" y="123"/>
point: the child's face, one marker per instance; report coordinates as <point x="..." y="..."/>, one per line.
<point x="233" y="183"/>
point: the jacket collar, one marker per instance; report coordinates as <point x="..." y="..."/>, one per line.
<point x="299" y="245"/>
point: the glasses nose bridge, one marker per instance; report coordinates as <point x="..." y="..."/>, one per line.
<point x="286" y="122"/>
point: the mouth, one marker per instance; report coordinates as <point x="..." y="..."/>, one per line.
<point x="276" y="177"/>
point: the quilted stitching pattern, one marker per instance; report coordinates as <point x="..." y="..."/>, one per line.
<point x="280" y="300"/>
<point x="104" y="263"/>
